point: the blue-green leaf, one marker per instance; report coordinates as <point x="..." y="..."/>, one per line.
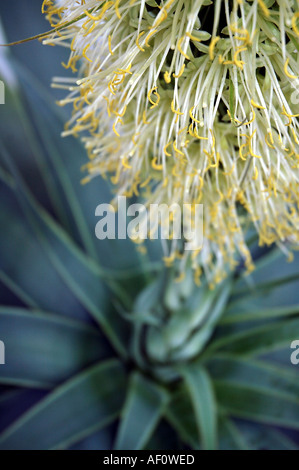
<point x="245" y="371"/>
<point x="256" y="404"/>
<point x="142" y="411"/>
<point x="43" y="350"/>
<point x="256" y="341"/>
<point x="201" y="392"/>
<point x="73" y="411"/>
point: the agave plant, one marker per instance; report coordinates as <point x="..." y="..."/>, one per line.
<point x="190" y="101"/>
<point x="104" y="350"/>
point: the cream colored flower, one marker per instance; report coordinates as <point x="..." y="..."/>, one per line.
<point x="190" y="101"/>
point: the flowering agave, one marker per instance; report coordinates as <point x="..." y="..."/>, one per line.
<point x="191" y="101"/>
<point x="104" y="350"/>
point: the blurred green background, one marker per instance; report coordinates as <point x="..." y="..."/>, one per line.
<point x="58" y="284"/>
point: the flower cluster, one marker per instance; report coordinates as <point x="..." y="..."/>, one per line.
<point x="190" y="101"/>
